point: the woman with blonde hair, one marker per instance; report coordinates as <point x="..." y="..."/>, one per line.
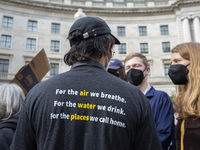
<point x="11" y="99"/>
<point x="185" y="73"/>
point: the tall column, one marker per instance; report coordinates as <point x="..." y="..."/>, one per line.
<point x="196" y="29"/>
<point x="186" y="30"/>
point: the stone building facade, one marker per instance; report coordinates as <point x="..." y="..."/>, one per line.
<point x="152" y="27"/>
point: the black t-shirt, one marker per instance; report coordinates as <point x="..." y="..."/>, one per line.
<point x="86" y="108"/>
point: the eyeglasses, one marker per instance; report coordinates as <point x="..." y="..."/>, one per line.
<point x="113" y="52"/>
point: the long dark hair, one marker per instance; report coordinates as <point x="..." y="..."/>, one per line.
<point x="86" y="49"/>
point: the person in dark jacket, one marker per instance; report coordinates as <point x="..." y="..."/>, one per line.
<point x="11" y="99"/>
<point x="137" y="69"/>
<point x="86" y="108"/>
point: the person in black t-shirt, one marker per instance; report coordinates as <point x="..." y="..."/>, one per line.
<point x="86" y="108"/>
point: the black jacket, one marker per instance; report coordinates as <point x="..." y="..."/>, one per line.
<point x="7" y="130"/>
<point x="191" y="137"/>
<point x="86" y="108"/>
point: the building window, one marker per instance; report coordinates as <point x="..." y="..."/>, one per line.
<point x="7" y="22"/>
<point x="143" y="31"/>
<point x="32" y="26"/>
<point x="121" y="31"/>
<point x="55" y="46"/>
<point x="27" y="61"/>
<point x="54" y="69"/>
<point x="55" y="28"/>
<point x="31" y="44"/>
<point x="149" y="74"/>
<point x="122" y="48"/>
<point x="139" y="0"/>
<point x="6" y="41"/>
<point x="56" y="0"/>
<point x="164" y="30"/>
<point x="4" y="65"/>
<point x="166" y="68"/>
<point x="144" y="48"/>
<point x="166" y="47"/>
<point x="118" y="0"/>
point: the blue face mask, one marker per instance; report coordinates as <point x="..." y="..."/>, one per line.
<point x="178" y="74"/>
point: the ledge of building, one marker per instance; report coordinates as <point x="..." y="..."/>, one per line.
<point x="159" y="81"/>
<point x="106" y="7"/>
<point x="6" y="54"/>
<point x="4" y="77"/>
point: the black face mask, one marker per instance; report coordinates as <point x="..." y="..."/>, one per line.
<point x="135" y="76"/>
<point x="115" y="74"/>
<point x="178" y="74"/>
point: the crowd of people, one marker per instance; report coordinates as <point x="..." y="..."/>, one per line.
<point x="104" y="103"/>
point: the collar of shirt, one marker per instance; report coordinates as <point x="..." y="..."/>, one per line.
<point x="147" y="89"/>
<point x="88" y="63"/>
